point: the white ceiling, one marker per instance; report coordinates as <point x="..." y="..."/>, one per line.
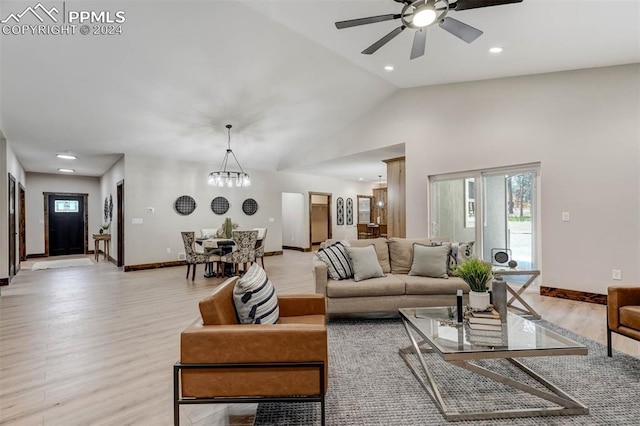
<point x="278" y="70"/>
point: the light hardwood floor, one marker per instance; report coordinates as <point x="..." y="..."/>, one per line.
<point x="95" y="346"/>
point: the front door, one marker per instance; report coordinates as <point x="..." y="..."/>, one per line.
<point x="66" y="224"/>
<point x="12" y="226"/>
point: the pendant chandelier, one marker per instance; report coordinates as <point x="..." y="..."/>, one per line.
<point x="224" y="177"/>
<point x="380" y="203"/>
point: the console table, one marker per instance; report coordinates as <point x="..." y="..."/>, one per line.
<point x="96" y="243"/>
<point x="516" y="294"/>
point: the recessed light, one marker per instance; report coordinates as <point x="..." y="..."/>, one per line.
<point x="66" y="170"/>
<point x="66" y="156"/>
<point x="360" y="178"/>
<point x="496" y="49"/>
<point x="388" y="67"/>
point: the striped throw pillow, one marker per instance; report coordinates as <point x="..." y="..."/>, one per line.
<point x="338" y="262"/>
<point x="255" y="298"/>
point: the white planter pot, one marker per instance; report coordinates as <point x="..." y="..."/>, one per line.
<point x="478" y="300"/>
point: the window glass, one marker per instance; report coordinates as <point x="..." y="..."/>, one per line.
<point x="66" y="206"/>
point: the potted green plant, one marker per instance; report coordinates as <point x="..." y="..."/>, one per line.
<point x="476" y="273"/>
<point x="104" y="228"/>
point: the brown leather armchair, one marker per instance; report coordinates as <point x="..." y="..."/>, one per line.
<point x="222" y="361"/>
<point x="623" y="313"/>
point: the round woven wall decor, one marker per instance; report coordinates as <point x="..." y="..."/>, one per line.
<point x="185" y="205"/>
<point x="220" y="205"/>
<point x="250" y="206"/>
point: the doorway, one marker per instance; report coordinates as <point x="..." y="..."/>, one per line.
<point x="319" y="217"/>
<point x="66" y="224"/>
<point x="12" y="226"/>
<point x="22" y="233"/>
<point x="120" y="221"/>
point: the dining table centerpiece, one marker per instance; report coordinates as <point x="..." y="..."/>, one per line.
<point x="477" y="273"/>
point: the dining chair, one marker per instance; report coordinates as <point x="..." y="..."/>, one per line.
<point x="192" y="256"/>
<point x="245" y="251"/>
<point x="262" y="236"/>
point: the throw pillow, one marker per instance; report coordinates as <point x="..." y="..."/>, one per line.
<point x="430" y="261"/>
<point x="459" y="253"/>
<point x="365" y="263"/>
<point x="337" y="260"/>
<point x="255" y="298"/>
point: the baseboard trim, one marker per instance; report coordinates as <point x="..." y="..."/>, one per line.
<point x="273" y="253"/>
<point x="143" y="266"/>
<point x="296" y="248"/>
<point x="580" y="296"/>
<point x="4" y="281"/>
<point x="34" y="255"/>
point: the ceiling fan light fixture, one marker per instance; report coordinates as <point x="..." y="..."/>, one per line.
<point x="425" y="16"/>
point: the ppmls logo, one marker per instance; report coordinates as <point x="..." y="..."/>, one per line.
<point x="16" y="17"/>
<point x="43" y="20"/>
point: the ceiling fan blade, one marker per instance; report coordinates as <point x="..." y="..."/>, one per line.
<point x="460" y="29"/>
<point x="363" y="21"/>
<point x="475" y="4"/>
<point x="419" y="41"/>
<point x="384" y="40"/>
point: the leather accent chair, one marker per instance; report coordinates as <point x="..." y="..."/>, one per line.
<point x="623" y="313"/>
<point x="222" y="361"/>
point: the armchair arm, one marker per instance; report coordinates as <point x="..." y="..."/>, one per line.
<point x="320" y="274"/>
<point x="618" y="297"/>
<point x="301" y="304"/>
<point x="253" y="343"/>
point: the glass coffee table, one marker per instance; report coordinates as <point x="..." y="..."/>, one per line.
<point x="432" y="330"/>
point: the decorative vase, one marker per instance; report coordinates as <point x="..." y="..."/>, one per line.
<point x="101" y="231"/>
<point x="228" y="228"/>
<point x="478" y="300"/>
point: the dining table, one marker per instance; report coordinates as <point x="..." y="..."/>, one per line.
<point x="217" y="246"/>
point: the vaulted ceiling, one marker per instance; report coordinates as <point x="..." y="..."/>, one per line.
<point x="278" y="71"/>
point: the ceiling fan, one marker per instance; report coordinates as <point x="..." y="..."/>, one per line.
<point x="420" y="14"/>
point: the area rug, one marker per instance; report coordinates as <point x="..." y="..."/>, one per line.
<point x="369" y="384"/>
<point x="63" y="263"/>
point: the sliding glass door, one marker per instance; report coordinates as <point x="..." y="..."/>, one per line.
<point x="495" y="208"/>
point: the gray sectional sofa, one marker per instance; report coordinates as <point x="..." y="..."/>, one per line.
<point x="395" y="290"/>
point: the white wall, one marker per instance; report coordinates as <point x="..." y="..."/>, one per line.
<point x="156" y="183"/>
<point x="8" y="164"/>
<point x="108" y="183"/>
<point x="38" y="183"/>
<point x="582" y="126"/>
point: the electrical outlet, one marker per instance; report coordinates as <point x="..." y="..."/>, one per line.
<point x="182" y="256"/>
<point x="616" y="274"/>
<point x="168" y="250"/>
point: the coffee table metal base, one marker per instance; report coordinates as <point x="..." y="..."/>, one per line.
<point x="567" y="405"/>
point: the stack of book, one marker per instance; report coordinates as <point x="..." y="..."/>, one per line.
<point x="485" y="328"/>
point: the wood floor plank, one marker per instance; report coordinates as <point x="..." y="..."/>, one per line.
<point x="95" y="346"/>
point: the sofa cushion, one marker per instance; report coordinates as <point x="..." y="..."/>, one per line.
<point x="428" y="285"/>
<point x="255" y="298"/>
<point x="381" y="250"/>
<point x="365" y="263"/>
<point x="630" y="316"/>
<point x="459" y="253"/>
<point x="401" y="252"/>
<point x="388" y="285"/>
<point x="430" y="261"/>
<point x="338" y="262"/>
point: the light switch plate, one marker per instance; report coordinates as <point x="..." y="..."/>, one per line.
<point x="136" y="221"/>
<point x="565" y="217"/>
<point x="616" y="274"/>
